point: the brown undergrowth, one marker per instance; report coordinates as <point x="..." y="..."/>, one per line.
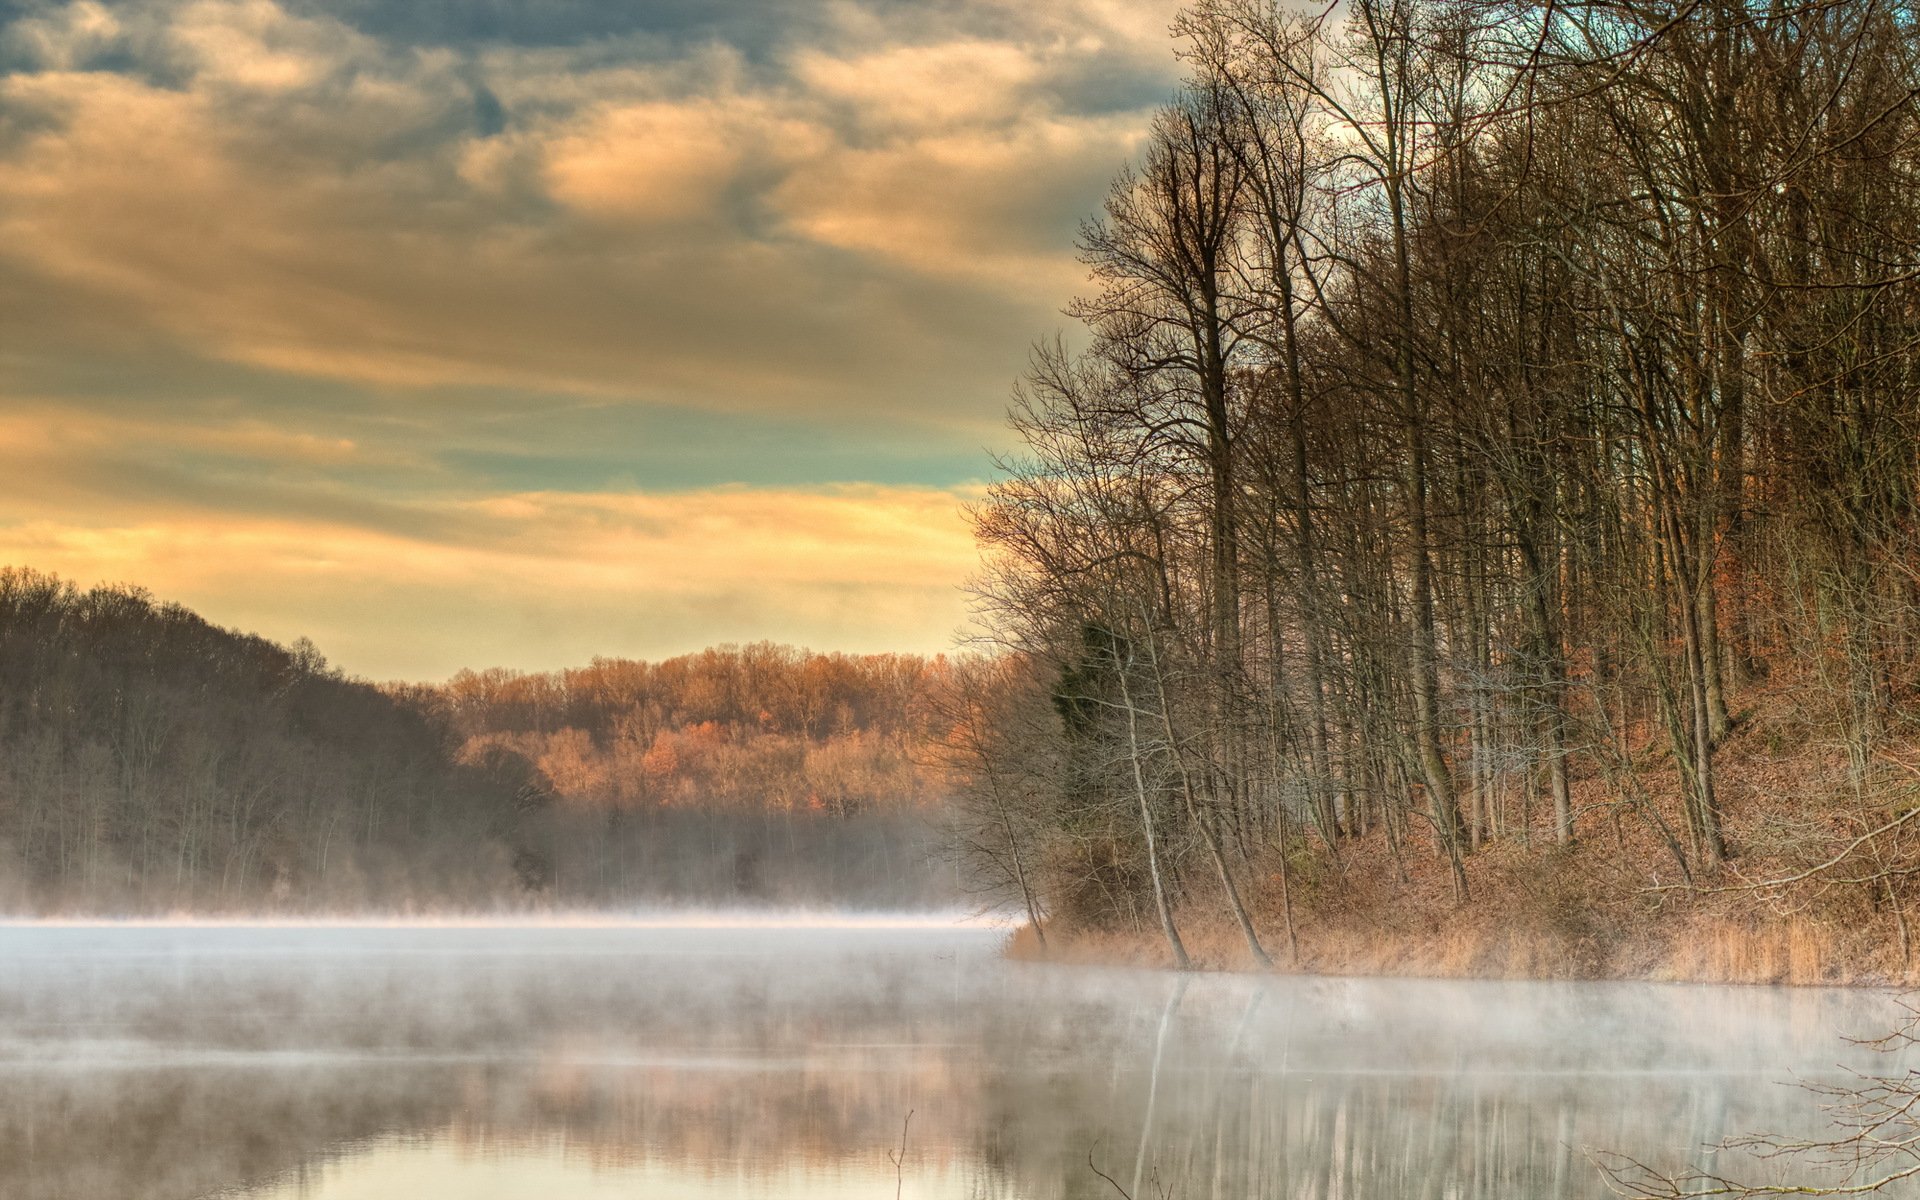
<point x="1612" y="906"/>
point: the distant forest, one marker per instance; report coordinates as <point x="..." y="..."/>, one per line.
<point x="754" y="773"/>
<point x="1491" y="425"/>
<point x="150" y="761"/>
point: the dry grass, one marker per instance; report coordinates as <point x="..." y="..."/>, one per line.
<point x="1607" y="907"/>
<point x="1709" y="950"/>
<point x="1792" y="951"/>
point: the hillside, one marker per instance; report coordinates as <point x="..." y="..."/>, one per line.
<point x="151" y="761"/>
<point x="760" y="727"/>
<point x="1804" y="898"/>
<point x="1477" y="511"/>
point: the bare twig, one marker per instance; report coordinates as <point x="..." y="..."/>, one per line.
<point x="899" y="1159"/>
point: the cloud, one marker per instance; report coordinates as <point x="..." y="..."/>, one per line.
<point x="288" y="192"/>
<point x="965" y="205"/>
<point x="664" y="162"/>
<point x="540" y="579"/>
<point x="51" y="435"/>
<point x="141" y="199"/>
<point x="438" y="330"/>
<point x="66" y="36"/>
<point x="256" y="45"/>
<point x="967" y="83"/>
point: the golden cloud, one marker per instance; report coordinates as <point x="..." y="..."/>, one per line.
<point x="309" y="201"/>
<point x="959" y="83"/>
<point x="951" y="204"/>
<point x="867" y="218"/>
<point x="256" y="45"/>
<point x="536" y="579"/>
<point x="666" y="161"/>
<point x="42" y="431"/>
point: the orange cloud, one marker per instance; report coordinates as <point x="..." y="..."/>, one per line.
<point x="952" y="204"/>
<point x="43" y="431"/>
<point x="305" y="199"/>
<point x="670" y="161"/>
<point x="537" y="579"/>
<point x="958" y="83"/>
<point x="854" y="220"/>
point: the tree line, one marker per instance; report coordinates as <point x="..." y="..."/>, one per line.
<point x="742" y="727"/>
<point x="151" y="761"/>
<point x="759" y="773"/>
<point x="1472" y="398"/>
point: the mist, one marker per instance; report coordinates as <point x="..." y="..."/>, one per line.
<point x="151" y="762"/>
<point x="728" y="1053"/>
<point x="1469" y="526"/>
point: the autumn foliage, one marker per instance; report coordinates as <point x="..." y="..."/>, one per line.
<point x="735" y="728"/>
<point x="740" y="774"/>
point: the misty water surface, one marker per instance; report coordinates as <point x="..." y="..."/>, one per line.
<point x="354" y="1062"/>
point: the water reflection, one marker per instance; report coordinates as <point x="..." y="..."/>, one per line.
<point x="340" y="1063"/>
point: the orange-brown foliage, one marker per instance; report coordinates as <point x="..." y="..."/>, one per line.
<point x="1608" y="907"/>
<point x="739" y="727"/>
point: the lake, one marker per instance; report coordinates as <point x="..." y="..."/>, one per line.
<point x="780" y="1058"/>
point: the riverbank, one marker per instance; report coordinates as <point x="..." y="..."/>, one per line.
<point x="1703" y="943"/>
<point x="1612" y="906"/>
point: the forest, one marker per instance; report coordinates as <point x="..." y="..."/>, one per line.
<point x="152" y="762"/>
<point x="1477" y="505"/>
<point x="745" y="774"/>
<point x="1473" y="528"/>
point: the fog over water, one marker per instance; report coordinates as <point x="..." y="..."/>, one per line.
<point x="740" y="1056"/>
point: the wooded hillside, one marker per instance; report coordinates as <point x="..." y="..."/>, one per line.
<point x="1482" y="402"/>
<point x="756" y="773"/>
<point x="739" y="727"/>
<point x="150" y="761"/>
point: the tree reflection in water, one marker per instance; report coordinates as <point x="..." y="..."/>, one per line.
<point x="559" y="1062"/>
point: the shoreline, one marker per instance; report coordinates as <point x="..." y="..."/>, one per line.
<point x="1147" y="951"/>
<point x="1608" y="907"/>
<point x="1562" y="915"/>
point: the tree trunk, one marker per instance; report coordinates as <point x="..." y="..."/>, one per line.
<point x="1162" y="905"/>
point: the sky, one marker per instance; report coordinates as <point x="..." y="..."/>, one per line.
<point x="464" y="333"/>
